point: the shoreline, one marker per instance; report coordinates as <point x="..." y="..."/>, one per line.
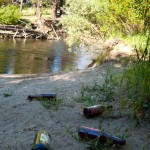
<point x="21" y="119"/>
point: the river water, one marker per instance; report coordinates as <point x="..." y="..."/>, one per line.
<point x="32" y="56"/>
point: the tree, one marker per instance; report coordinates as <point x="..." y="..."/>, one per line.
<point x="55" y="6"/>
<point x="102" y="18"/>
<point x="54" y="9"/>
<point x="80" y="20"/>
<point x="21" y="6"/>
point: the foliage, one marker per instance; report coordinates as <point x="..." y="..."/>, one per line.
<point x="30" y="11"/>
<point x="136" y="79"/>
<point x="7" y="94"/>
<point x="78" y="19"/>
<point x="100" y="18"/>
<point x="102" y="57"/>
<point x="51" y="103"/>
<point x="38" y="7"/>
<point x="126" y="16"/>
<point x="138" y="83"/>
<point x="44" y="2"/>
<point x="9" y="14"/>
<point x="97" y="92"/>
<point x="143" y="49"/>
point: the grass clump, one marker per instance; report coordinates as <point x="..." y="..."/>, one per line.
<point x="136" y="80"/>
<point x="7" y="94"/>
<point x="97" y="92"/>
<point x="51" y="103"/>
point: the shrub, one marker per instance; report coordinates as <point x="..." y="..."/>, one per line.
<point x="9" y="14"/>
<point x="101" y="18"/>
<point x="138" y="84"/>
<point x="78" y="19"/>
<point x="127" y="16"/>
<point x="136" y="78"/>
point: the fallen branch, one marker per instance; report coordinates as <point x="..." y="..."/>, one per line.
<point x="15" y="34"/>
<point x="17" y="31"/>
<point x="55" y="31"/>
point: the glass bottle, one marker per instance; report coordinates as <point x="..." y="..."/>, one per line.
<point x="42" y="96"/>
<point x="95" y="110"/>
<point x="91" y="134"/>
<point x="42" y="141"/>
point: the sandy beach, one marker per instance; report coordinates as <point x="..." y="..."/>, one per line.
<point x="20" y="119"/>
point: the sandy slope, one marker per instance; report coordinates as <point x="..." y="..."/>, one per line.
<point x="20" y="119"/>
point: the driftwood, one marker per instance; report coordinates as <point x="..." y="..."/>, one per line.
<point x="22" y="32"/>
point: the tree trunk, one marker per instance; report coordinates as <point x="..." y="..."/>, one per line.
<point x="21" y="6"/>
<point x="38" y="10"/>
<point x="38" y="14"/>
<point x="61" y="3"/>
<point x="54" y="9"/>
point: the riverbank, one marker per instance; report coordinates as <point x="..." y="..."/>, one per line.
<point x="31" y="27"/>
<point x="21" y="119"/>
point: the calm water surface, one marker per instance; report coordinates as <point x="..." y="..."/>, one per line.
<point x="31" y="56"/>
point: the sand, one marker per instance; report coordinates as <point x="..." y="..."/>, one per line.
<point x="20" y="119"/>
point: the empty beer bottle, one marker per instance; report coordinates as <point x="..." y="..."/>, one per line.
<point x="91" y="134"/>
<point x="95" y="110"/>
<point x="42" y="96"/>
<point x="42" y="141"/>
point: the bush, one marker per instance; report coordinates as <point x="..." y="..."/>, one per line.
<point x="102" y="18"/>
<point x="9" y="14"/>
<point x="136" y="78"/>
<point x="78" y="19"/>
<point x="127" y="16"/>
<point x="138" y="84"/>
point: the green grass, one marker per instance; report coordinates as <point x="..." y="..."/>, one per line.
<point x="29" y="11"/>
<point x="136" y="81"/>
<point x="7" y="94"/>
<point x="48" y="104"/>
<point x="137" y="40"/>
<point x="99" y="92"/>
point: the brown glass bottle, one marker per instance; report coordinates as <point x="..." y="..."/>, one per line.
<point x="42" y="96"/>
<point x="95" y="110"/>
<point x="91" y="134"/>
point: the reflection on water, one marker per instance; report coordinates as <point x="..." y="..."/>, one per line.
<point x="39" y="56"/>
<point x="10" y="63"/>
<point x="56" y="62"/>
